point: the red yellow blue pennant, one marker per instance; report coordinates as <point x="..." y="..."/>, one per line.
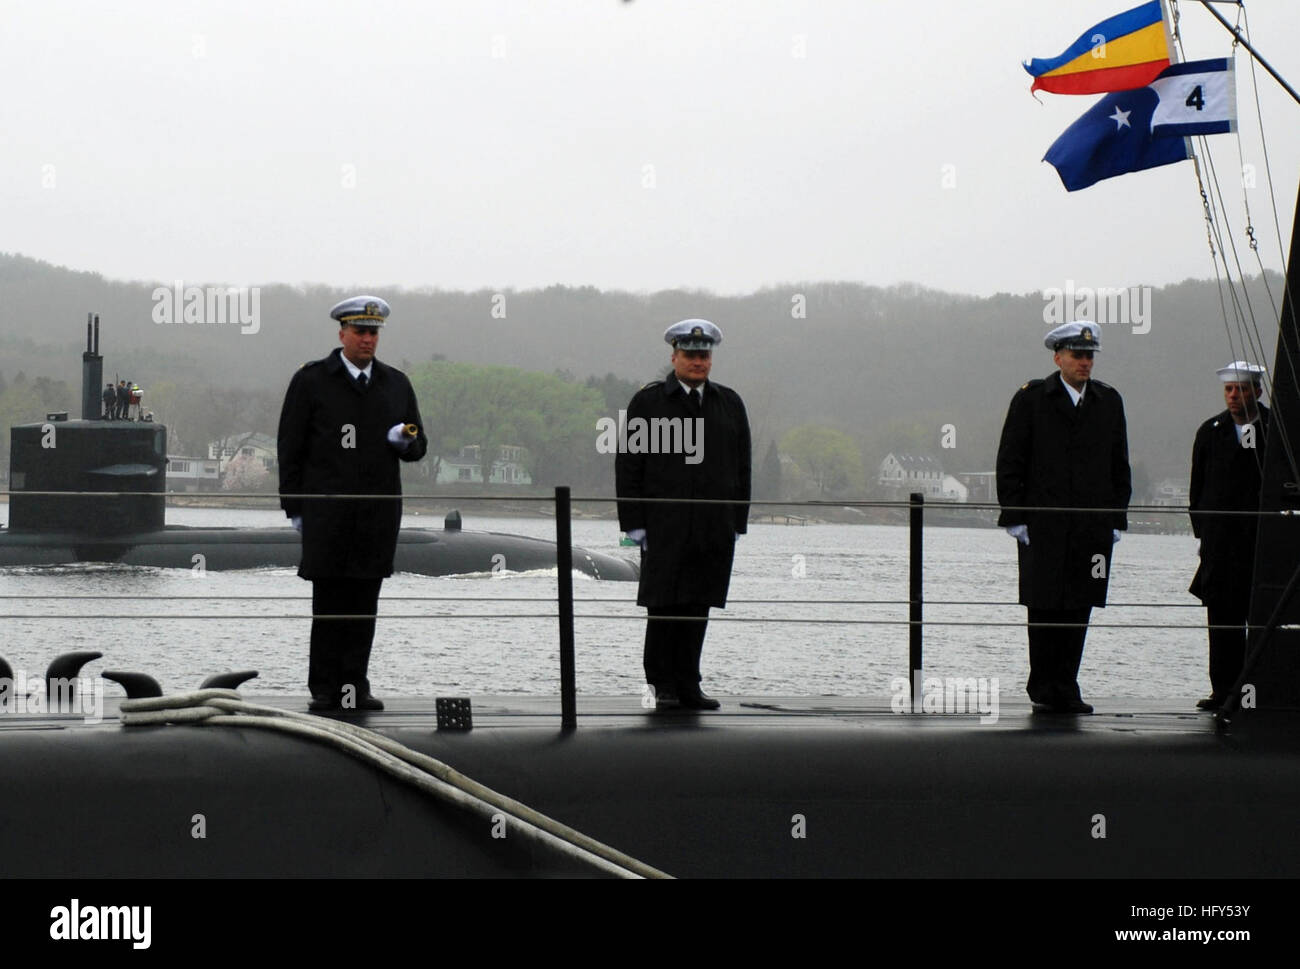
<point x="1125" y="51"/>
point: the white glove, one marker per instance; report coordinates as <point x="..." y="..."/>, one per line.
<point x="397" y="437"/>
<point x="296" y="522"/>
<point x="1019" y="532"/>
<point x="1115" y="533"/>
<point x="638" y="535"/>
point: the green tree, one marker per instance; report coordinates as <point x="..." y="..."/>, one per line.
<point x="28" y="401"/>
<point x="1143" y="486"/>
<point x="830" y="458"/>
<point x="615" y="390"/>
<point x="767" y="485"/>
<point x="197" y="415"/>
<point x="463" y="404"/>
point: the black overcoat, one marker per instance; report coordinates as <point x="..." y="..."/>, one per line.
<point x="333" y="439"/>
<point x="1054" y="454"/>
<point x="689" y="547"/>
<point x="1226" y="477"/>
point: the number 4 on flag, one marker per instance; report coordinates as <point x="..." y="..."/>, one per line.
<point x="1196" y="98"/>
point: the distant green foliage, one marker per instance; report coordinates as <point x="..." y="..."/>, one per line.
<point x="889" y="366"/>
<point x="199" y="415"/>
<point x="616" y="391"/>
<point x="830" y="459"/>
<point x="555" y="419"/>
<point x="26" y="401"/>
<point x="767" y="477"/>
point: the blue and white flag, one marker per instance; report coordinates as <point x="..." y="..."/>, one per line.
<point x="1196" y="98"/>
<point x="1111" y="138"/>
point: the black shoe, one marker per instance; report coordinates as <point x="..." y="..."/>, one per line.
<point x="322" y="701"/>
<point x="696" y="700"/>
<point x="369" y="702"/>
<point x="667" y="699"/>
<point x="1211" y="702"/>
<point x="1063" y="706"/>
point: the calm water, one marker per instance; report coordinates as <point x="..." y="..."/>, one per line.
<point x="467" y="635"/>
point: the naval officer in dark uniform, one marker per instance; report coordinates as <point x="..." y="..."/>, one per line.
<point x="347" y="422"/>
<point x="1064" y="445"/>
<point x="686" y="549"/>
<point x="1226" y="476"/>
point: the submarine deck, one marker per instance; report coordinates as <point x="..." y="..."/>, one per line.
<point x="1117" y="713"/>
<point x="767" y="786"/>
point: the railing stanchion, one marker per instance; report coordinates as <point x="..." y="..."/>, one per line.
<point x="564" y="573"/>
<point x="914" y="662"/>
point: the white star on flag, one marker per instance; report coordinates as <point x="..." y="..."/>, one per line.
<point x="1120" y="118"/>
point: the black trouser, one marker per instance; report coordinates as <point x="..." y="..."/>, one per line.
<point x="673" y="647"/>
<point x="1227" y="646"/>
<point x="340" y="648"/>
<point x="1054" y="654"/>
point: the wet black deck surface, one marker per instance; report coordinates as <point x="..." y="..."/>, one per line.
<point x="768" y="787"/>
<point x="1122" y="714"/>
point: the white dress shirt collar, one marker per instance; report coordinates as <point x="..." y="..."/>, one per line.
<point x="353" y="369"/>
<point x="1075" y="395"/>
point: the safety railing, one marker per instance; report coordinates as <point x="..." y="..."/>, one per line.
<point x="563" y="501"/>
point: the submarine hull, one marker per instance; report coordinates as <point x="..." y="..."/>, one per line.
<point x="420" y="551"/>
<point x="715" y="795"/>
<point x="95" y="491"/>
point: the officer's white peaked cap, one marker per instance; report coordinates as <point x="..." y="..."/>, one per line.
<point x="693" y="335"/>
<point x="1079" y="335"/>
<point x="361" y="310"/>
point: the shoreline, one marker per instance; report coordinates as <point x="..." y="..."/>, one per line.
<point x="507" y="507"/>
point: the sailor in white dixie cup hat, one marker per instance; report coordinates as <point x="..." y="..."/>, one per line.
<point x="1226" y="459"/>
<point x="1239" y="371"/>
<point x="1064" y="447"/>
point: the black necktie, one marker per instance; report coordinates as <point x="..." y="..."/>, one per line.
<point x="695" y="399"/>
<point x="361" y="380"/>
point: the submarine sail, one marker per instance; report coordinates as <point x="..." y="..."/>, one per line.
<point x="95" y="490"/>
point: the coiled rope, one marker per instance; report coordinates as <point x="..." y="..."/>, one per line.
<point x="427" y="774"/>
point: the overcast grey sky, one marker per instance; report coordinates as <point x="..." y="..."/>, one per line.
<point x="656" y="144"/>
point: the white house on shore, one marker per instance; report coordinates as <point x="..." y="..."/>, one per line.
<point x="192" y="474"/>
<point x="905" y="473"/>
<point x="1169" y="492"/>
<point x="466" y="467"/>
<point x="954" y="490"/>
<point x="261" y="447"/>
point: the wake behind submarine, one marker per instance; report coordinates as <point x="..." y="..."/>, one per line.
<point x="94" y="490"/>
